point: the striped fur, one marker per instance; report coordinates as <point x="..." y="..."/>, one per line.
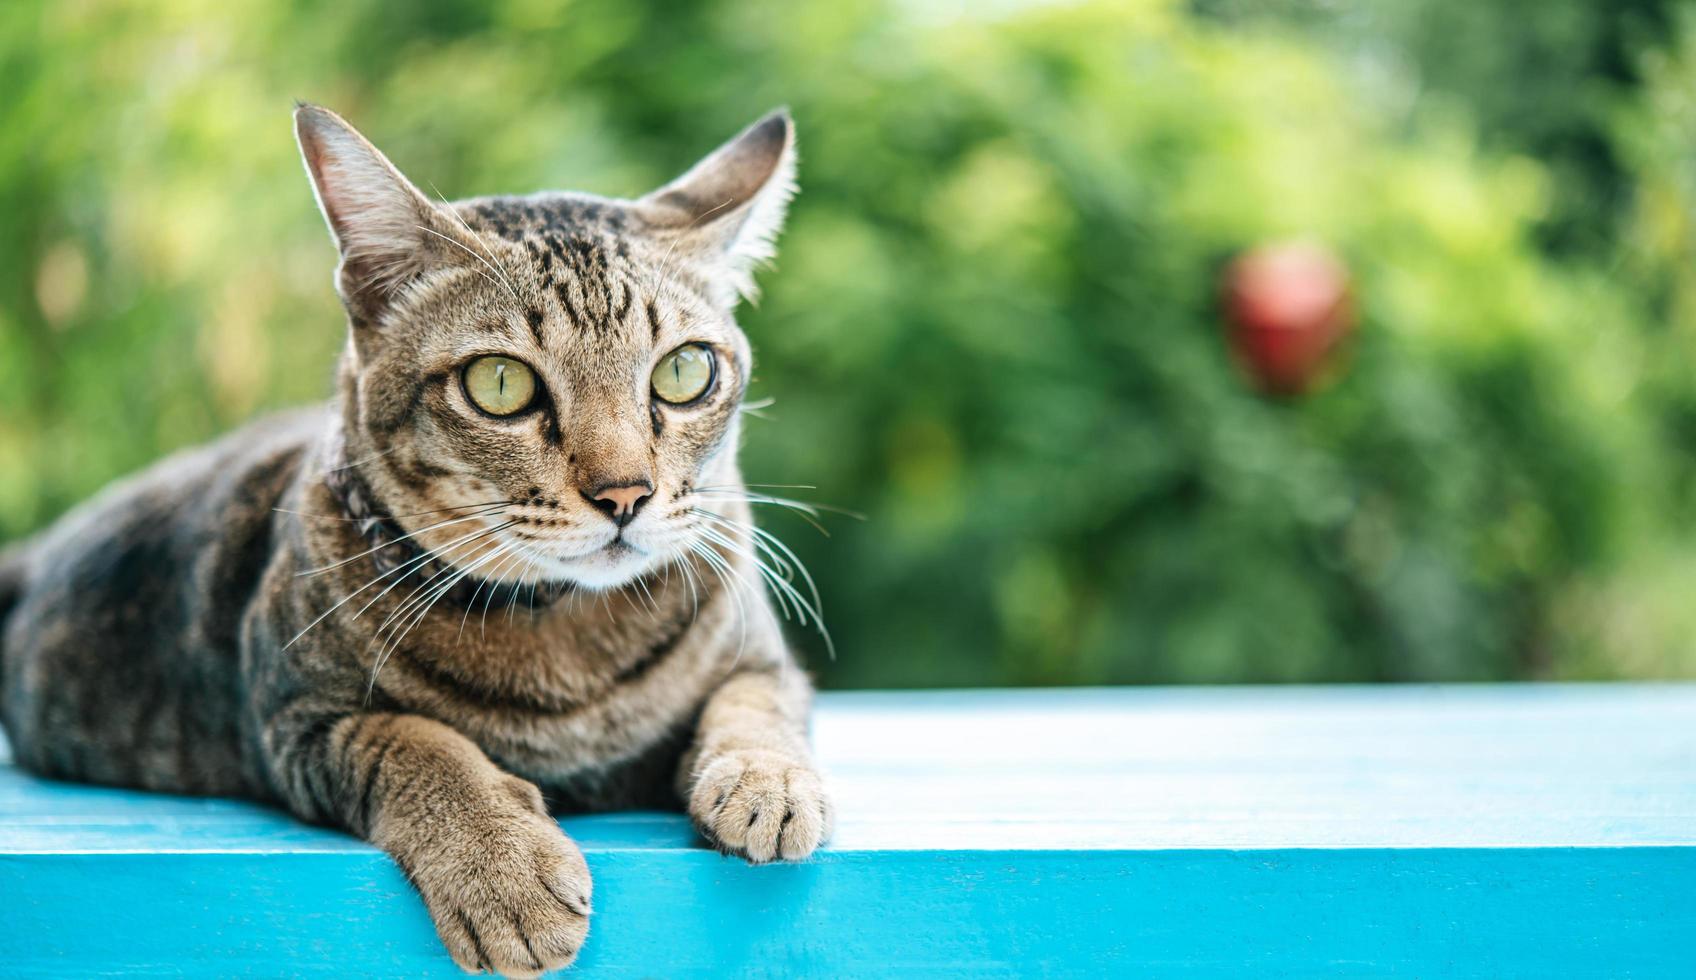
<point x="219" y="624"/>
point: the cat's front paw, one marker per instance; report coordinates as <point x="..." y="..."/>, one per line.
<point x="761" y="805"/>
<point x="508" y="893"/>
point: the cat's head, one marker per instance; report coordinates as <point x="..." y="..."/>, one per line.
<point x="568" y="360"/>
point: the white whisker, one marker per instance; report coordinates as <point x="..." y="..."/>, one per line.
<point x="402" y="570"/>
<point x="767" y="541"/>
<point x="782" y="589"/>
<point x="453" y="546"/>
<point x="399" y="635"/>
<point x="440" y="524"/>
<point x="728" y="577"/>
<point x="499" y="279"/>
<point x="449" y="573"/>
<point x="343" y="518"/>
<point x="482" y="242"/>
<point x="494" y="573"/>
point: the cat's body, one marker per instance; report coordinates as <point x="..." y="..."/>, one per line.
<point x="127" y="665"/>
<point x="406" y="613"/>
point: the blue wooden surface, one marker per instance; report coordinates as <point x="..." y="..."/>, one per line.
<point x="1448" y="831"/>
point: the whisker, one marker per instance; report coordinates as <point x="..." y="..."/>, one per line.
<point x="716" y="564"/>
<point x="419" y="601"/>
<point x="759" y="486"/>
<point x="388" y="544"/>
<point x="684" y="569"/>
<point x="804" y="506"/>
<point x="460" y="574"/>
<point x="414" y="513"/>
<point x="454" y="546"/>
<point x="694" y="597"/>
<point x="402" y="570"/>
<point x="419" y="595"/>
<point x="483" y="617"/>
<point x="432" y="590"/>
<point x="780" y="586"/>
<point x="607" y="605"/>
<point x="734" y="580"/>
<point x="805" y="512"/>
<point x="481" y="582"/>
<point x="512" y="597"/>
<point x="482" y="242"/>
<point x="399" y="635"/>
<point x="799" y="565"/>
<point x="767" y="541"/>
<point x="537" y="580"/>
<point x="757" y="408"/>
<point x="499" y="279"/>
<point x="653" y="605"/>
<point x="782" y="598"/>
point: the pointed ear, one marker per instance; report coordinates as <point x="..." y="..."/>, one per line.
<point x="383" y="226"/>
<point x="725" y="213"/>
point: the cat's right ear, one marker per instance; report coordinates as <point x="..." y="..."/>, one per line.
<point x="384" y="227"/>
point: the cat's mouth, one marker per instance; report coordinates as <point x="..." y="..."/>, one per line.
<point x="605" y="566"/>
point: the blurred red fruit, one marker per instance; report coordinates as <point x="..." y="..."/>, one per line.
<point x="1288" y="307"/>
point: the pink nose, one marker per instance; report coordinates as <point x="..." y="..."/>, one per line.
<point x="621" y="502"/>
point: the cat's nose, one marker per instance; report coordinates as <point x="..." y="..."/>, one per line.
<point x="620" y="501"/>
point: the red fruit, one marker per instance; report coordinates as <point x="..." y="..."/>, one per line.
<point x="1288" y="306"/>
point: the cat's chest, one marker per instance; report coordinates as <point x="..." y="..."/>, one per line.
<point x="571" y="707"/>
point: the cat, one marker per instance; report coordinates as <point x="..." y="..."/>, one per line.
<point x="509" y="570"/>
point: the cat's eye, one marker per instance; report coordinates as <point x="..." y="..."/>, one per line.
<point x="499" y="385"/>
<point x="684" y="374"/>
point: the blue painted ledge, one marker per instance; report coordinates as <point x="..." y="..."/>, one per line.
<point x="1446" y="831"/>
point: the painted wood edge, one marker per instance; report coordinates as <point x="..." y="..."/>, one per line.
<point x="1570" y="912"/>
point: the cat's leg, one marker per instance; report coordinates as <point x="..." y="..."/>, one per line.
<point x="749" y="778"/>
<point x="507" y="889"/>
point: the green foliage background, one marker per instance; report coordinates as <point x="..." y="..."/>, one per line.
<point x="993" y="327"/>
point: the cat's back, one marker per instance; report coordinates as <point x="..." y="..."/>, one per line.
<point x="119" y="660"/>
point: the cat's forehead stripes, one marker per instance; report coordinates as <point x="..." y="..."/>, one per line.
<point x="513" y="218"/>
<point x="579" y="252"/>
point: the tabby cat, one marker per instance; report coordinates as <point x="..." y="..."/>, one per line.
<point x="509" y="570"/>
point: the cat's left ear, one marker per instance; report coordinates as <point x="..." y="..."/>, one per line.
<point x="725" y="213"/>
<point x="387" y="231"/>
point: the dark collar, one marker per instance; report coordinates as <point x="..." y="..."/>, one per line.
<point x="398" y="559"/>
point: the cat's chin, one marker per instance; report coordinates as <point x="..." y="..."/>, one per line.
<point x="616" y="565"/>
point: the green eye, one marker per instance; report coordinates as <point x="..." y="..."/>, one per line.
<point x="682" y="375"/>
<point x="499" y="385"/>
